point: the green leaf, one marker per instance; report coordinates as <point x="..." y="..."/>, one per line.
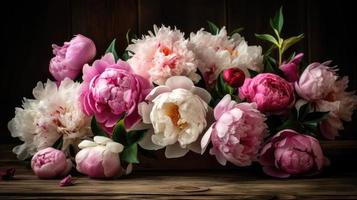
<point x="237" y="30"/>
<point x="303" y="111"/>
<point x="292" y="56"/>
<point x="291" y="41"/>
<point x="111" y="49"/>
<point x="252" y="73"/>
<point x="126" y="56"/>
<point x="130" y="154"/>
<point x="119" y="133"/>
<point x="268" y="38"/>
<point x="127" y="36"/>
<point x="213" y="28"/>
<point x="135" y="136"/>
<point x="278" y="21"/>
<point x="58" y="144"/>
<point x="315" y="117"/>
<point x="96" y="129"/>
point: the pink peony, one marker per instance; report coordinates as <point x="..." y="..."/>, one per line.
<point x="340" y="105"/>
<point x="270" y="92"/>
<point x="320" y="85"/>
<point x="290" y="153"/>
<point x="163" y="54"/>
<point x="316" y="82"/>
<point x="99" y="159"/>
<point x="70" y="58"/>
<point x="290" y="69"/>
<point x="237" y="134"/>
<point x="50" y="163"/>
<point x="110" y="90"/>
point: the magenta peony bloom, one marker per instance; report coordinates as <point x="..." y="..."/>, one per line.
<point x="110" y="90"/>
<point x="234" y="77"/>
<point x="316" y="82"/>
<point x="50" y="163"/>
<point x="70" y="58"/>
<point x="270" y="92"/>
<point x="320" y="85"/>
<point x="237" y="134"/>
<point x="290" y="153"/>
<point x="290" y="69"/>
<point x="99" y="159"/>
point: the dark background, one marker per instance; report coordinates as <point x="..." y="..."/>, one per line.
<point x="29" y="28"/>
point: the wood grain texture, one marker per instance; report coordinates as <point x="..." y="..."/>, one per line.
<point x="184" y="185"/>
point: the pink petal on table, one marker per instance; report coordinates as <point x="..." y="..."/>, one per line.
<point x="67" y="181"/>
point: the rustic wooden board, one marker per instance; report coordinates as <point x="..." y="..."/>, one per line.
<point x="184" y="185"/>
<point x="238" y="183"/>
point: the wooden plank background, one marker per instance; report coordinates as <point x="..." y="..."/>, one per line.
<point x="29" y="28"/>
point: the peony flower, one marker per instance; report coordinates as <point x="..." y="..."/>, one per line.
<point x="99" y="159"/>
<point x="320" y="85"/>
<point x="50" y="163"/>
<point x="110" y="90"/>
<point x="270" y="92"/>
<point x="316" y="82"/>
<point x="70" y="58"/>
<point x="291" y="68"/>
<point x="234" y="77"/>
<point x="290" y="153"/>
<point x="340" y="105"/>
<point x="178" y="113"/>
<point x="163" y="54"/>
<point x="237" y="134"/>
<point x="218" y="52"/>
<point x="54" y="113"/>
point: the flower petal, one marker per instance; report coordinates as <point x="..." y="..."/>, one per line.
<point x="179" y="82"/>
<point x="86" y="143"/>
<point x="101" y="140"/>
<point x="114" y="147"/>
<point x="175" y="151"/>
<point x="206" y="139"/>
<point x="202" y="93"/>
<point x="146" y="142"/>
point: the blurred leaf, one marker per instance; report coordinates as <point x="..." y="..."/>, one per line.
<point x="119" y="133"/>
<point x="213" y="28"/>
<point x="135" y="136"/>
<point x="303" y="111"/>
<point x="130" y="154"/>
<point x="111" y="49"/>
<point x="278" y="21"/>
<point x="267" y="37"/>
<point x="96" y="129"/>
<point x="315" y="117"/>
<point x="252" y="73"/>
<point x="58" y="144"/>
<point x="237" y="30"/>
<point x="291" y="41"/>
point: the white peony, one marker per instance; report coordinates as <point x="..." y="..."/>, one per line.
<point x="178" y="114"/>
<point x="54" y="112"/>
<point x="219" y="52"/>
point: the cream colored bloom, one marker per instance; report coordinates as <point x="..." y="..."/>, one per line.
<point x="219" y="52"/>
<point x="54" y="112"/>
<point x="178" y="114"/>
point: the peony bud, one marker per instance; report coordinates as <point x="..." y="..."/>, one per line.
<point x="50" y="163"/>
<point x="70" y="58"/>
<point x="234" y="77"/>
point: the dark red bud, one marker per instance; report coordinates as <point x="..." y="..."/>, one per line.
<point x="234" y="77"/>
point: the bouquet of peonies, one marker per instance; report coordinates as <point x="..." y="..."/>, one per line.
<point x="209" y="90"/>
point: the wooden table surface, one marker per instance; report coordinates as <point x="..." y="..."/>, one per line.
<point x="242" y="183"/>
